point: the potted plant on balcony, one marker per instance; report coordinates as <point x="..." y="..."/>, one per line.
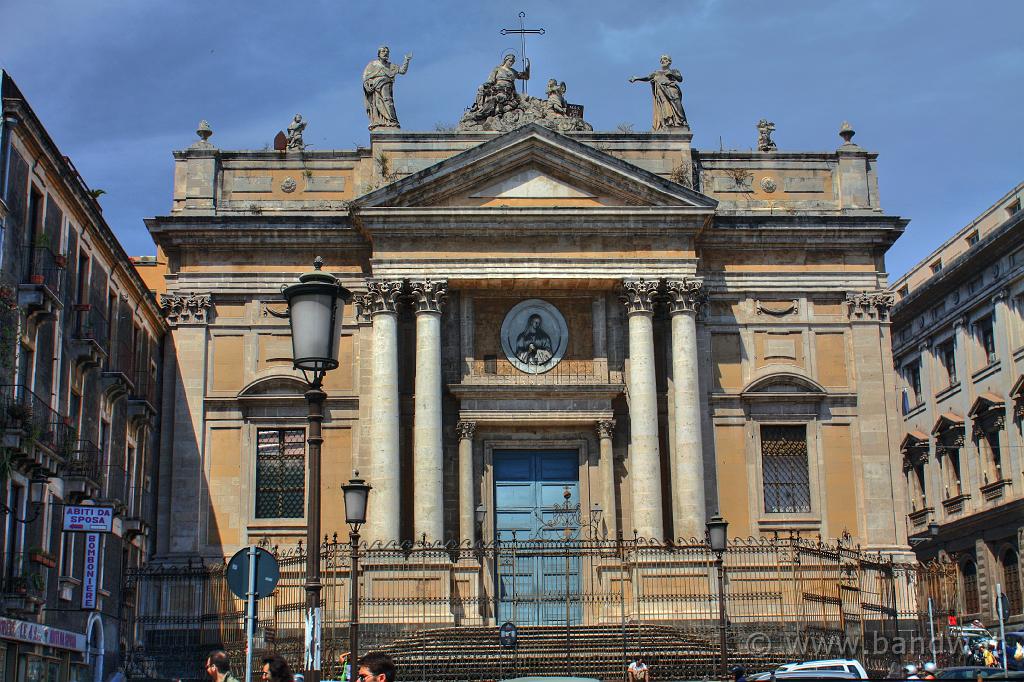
<point x="19" y="413"/>
<point x="35" y="279"/>
<point x="38" y="555"/>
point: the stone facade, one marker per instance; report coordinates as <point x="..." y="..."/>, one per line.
<point x="705" y="310"/>
<point x="80" y="364"/>
<point x="958" y="341"/>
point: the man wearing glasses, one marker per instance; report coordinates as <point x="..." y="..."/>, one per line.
<point x="376" y="667"/>
<point x="218" y="667"/>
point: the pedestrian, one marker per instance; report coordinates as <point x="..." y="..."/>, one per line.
<point x="739" y="674"/>
<point x="275" y="669"/>
<point x="638" y="671"/>
<point x="987" y="656"/>
<point x="218" y="666"/>
<point x="376" y="667"/>
<point x="346" y="667"/>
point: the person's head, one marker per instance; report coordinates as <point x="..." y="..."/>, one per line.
<point x="376" y="667"/>
<point x="534" y="321"/>
<point x="218" y="663"/>
<point x="275" y="669"/>
<point x="509" y="60"/>
<point x="383" y="52"/>
<point x="930" y="667"/>
<point x="298" y="117"/>
<point x="976" y="623"/>
<point x="666" y="61"/>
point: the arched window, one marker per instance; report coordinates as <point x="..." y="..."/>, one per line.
<point x="1011" y="579"/>
<point x="969" y="572"/>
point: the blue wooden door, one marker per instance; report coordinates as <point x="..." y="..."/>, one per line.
<point x="539" y="583"/>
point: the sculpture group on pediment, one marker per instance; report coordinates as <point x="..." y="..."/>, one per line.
<point x="499" y="107"/>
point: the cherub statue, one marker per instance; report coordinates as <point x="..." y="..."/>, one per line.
<point x="556" y="96"/>
<point x="295" y="129"/>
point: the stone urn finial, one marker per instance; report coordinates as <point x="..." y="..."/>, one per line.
<point x="847" y="132"/>
<point x="204" y="131"/>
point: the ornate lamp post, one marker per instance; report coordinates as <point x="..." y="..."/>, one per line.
<point x="717" y="531"/>
<point x="315" y="307"/>
<point x="357" y="492"/>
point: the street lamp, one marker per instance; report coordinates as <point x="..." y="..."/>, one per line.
<point x="315" y="316"/>
<point x="718" y="535"/>
<point x="357" y="492"/>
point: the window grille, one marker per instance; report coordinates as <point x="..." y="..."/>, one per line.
<point x="280" y="473"/>
<point x="970" y="576"/>
<point x="784" y="467"/>
<point x="1011" y="581"/>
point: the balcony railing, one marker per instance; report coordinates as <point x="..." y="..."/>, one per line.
<point x="23" y="584"/>
<point x="145" y="386"/>
<point x="91" y="325"/>
<point x="494" y="370"/>
<point x="22" y="409"/>
<point x="116" y="488"/>
<point x="47" y="268"/>
<point x="86" y="462"/>
<point x="121" y="359"/>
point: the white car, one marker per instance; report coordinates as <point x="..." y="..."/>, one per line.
<point x="846" y="665"/>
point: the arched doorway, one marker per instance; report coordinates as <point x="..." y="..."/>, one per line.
<point x="94" y="647"/>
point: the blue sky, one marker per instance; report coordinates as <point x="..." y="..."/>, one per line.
<point x="935" y="87"/>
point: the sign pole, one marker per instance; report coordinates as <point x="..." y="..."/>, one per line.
<point x="1002" y="632"/>
<point x="250" y="619"/>
<point x="931" y="627"/>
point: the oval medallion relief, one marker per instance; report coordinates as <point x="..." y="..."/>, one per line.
<point x="534" y="336"/>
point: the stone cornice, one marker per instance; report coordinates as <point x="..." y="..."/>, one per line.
<point x="255" y="231"/>
<point x="825" y="232"/>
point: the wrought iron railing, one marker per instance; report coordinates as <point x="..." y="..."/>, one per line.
<point x="86" y="461"/>
<point x="498" y="370"/>
<point x="91" y="325"/>
<point x="24" y="410"/>
<point x="121" y="359"/>
<point x="145" y="385"/>
<point x="583" y="607"/>
<point x="47" y="268"/>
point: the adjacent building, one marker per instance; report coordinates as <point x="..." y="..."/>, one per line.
<point x="80" y="362"/>
<point x="958" y="341"/>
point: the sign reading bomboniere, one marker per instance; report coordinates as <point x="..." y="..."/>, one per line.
<point x="90" y="579"/>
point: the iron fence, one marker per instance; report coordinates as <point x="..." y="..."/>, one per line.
<point x="22" y="409"/>
<point x="91" y="325"/>
<point x="582" y="608"/>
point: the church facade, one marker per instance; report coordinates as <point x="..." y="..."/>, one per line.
<point x="653" y="332"/>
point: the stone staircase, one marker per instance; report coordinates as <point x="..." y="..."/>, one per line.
<point x="474" y="653"/>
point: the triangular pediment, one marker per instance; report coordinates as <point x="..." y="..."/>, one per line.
<point x="531" y="183"/>
<point x="534" y="167"/>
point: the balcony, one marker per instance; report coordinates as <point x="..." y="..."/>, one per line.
<point x="116" y="490"/>
<point x="138" y="512"/>
<point x="40" y="295"/>
<point x="142" y="400"/>
<point x="33" y="431"/>
<point x="89" y="338"/>
<point x="23" y="587"/>
<point x="83" y="472"/>
<point x="119" y="371"/>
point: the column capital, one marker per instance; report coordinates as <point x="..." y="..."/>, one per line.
<point x="186" y="308"/>
<point x="605" y="428"/>
<point x="429" y="295"/>
<point x="382" y="296"/>
<point x="687" y="295"/>
<point x="638" y="295"/>
<point x="466" y="430"/>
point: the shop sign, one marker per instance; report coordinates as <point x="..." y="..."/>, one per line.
<point x="34" y="633"/>
<point x="88" y="519"/>
<point x="92" y="570"/>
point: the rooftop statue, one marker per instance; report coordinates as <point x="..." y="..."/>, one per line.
<point x="668" y="98"/>
<point x="378" y="89"/>
<point x="295" y="129"/>
<point x="499" y="107"/>
<point x="765" y="143"/>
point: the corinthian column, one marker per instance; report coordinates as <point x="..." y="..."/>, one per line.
<point x="606" y="465"/>
<point x="644" y="457"/>
<point x="382" y="516"/>
<point x="688" y="516"/>
<point x="427" y="454"/>
<point x="467" y="512"/>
